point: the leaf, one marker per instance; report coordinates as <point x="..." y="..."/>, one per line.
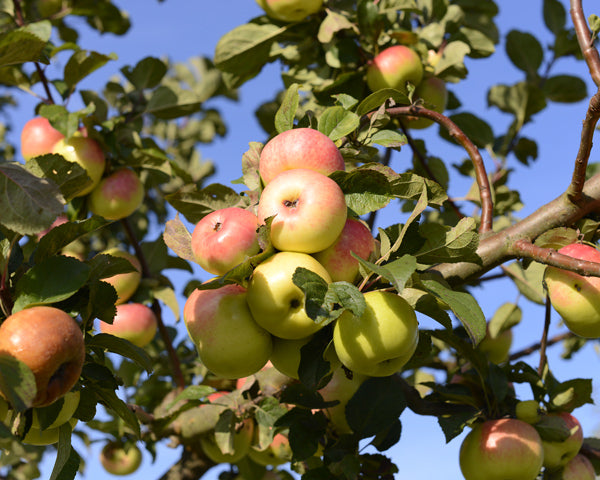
<point x="565" y="89"/>
<point x="81" y="64"/>
<point x="334" y="22"/>
<point x="122" y="347"/>
<point x="337" y="122"/>
<point x="366" y="190"/>
<point x="571" y="394"/>
<point x="110" y="400"/>
<point x="250" y="161"/>
<point x="380" y="97"/>
<point x="147" y="73"/>
<point x="24" y="44"/>
<point x="17" y="382"/>
<point x="524" y="51"/>
<point x="284" y="118"/>
<point x="444" y="244"/>
<point x="507" y="316"/>
<point x="313" y="367"/>
<point x="314" y="288"/>
<point x="67" y="461"/>
<point x="552" y="428"/>
<point x="529" y="281"/>
<point x="70" y="177"/>
<point x="477" y="129"/>
<point x="179" y="239"/>
<point x="397" y="272"/>
<point x="410" y="186"/>
<point x="193" y="392"/>
<point x="388" y="138"/>
<point x="166" y="103"/>
<point x="195" y="204"/>
<point x="555" y="16"/>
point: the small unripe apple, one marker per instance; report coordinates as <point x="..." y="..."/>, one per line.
<point x="38" y="137"/>
<point x="118" y="195"/>
<point x="558" y="454"/>
<point x="497" y="349"/>
<point x="340" y="388"/>
<point x="135" y="322"/>
<point x="290" y="10"/>
<point x="277" y="453"/>
<point x="242" y="440"/>
<point x="286" y="355"/>
<point x="528" y="411"/>
<point x="48" y="436"/>
<point x="120" y="460"/>
<point x="432" y="91"/>
<point x="125" y="284"/>
<point x="69" y="406"/>
<point x="393" y="68"/>
<point x="86" y="152"/>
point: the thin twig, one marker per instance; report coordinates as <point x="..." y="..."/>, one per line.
<point x="536" y="346"/>
<point x="544" y="341"/>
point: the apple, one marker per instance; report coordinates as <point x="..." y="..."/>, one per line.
<point x="575" y="297"/>
<point x="47" y="8"/>
<point x="125" y="283"/>
<point x="38" y="137"/>
<point x="503" y="449"/>
<point x="51" y="344"/>
<point x="276" y="303"/>
<point x="225" y="238"/>
<point x="48" y="436"/>
<point x="230" y="343"/>
<point x="242" y="440"/>
<point x="528" y="411"/>
<point x="337" y="258"/>
<point x="61" y="219"/>
<point x="497" y="349"/>
<point x="135" y="322"/>
<point x="382" y="340"/>
<point x="309" y="209"/>
<point x="118" y="195"/>
<point x="558" y="454"/>
<point x="119" y="459"/>
<point x="277" y="453"/>
<point x="340" y="388"/>
<point x="290" y="10"/>
<point x="86" y="152"/>
<point x="70" y="402"/>
<point x="393" y="68"/>
<point x="299" y="148"/>
<point x="578" y="468"/>
<point x="286" y="355"/>
<point x="433" y="92"/>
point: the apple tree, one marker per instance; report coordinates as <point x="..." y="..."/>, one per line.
<point x="321" y="322"/>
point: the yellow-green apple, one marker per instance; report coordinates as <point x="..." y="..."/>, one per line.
<point x="51" y="344"/>
<point x="309" y="209"/>
<point x="119" y="459"/>
<point x="47" y="8"/>
<point x="48" y="436"/>
<point x="225" y="238"/>
<point x="393" y="68"/>
<point x="503" y="449"/>
<point x="432" y="91"/>
<point x="38" y="137"/>
<point x="70" y="402"/>
<point x="242" y="440"/>
<point x="276" y="302"/>
<point x="230" y="343"/>
<point x="86" y="152"/>
<point x="277" y="452"/>
<point x="381" y="340"/>
<point x="497" y="348"/>
<point x="528" y="411"/>
<point x="290" y="10"/>
<point x="340" y="388"/>
<point x="125" y="284"/>
<point x="558" y="454"/>
<point x="118" y="195"/>
<point x="135" y="322"/>
<point x="337" y="258"/>
<point x="299" y="148"/>
<point x="579" y="468"/>
<point x="286" y="355"/>
<point x="575" y="297"/>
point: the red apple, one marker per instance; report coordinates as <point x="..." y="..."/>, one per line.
<point x="134" y="322"/>
<point x="309" y="210"/>
<point x="125" y="283"/>
<point x="299" y="148"/>
<point x="225" y="238"/>
<point x="393" y="68"/>
<point x="337" y="258"/>
<point x="118" y="195"/>
<point x="119" y="459"/>
<point x="38" y="137"/>
<point x="579" y="468"/>
<point x="86" y="152"/>
<point x="558" y="454"/>
<point x="432" y="91"/>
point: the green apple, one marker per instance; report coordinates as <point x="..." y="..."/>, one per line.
<point x="290" y="10"/>
<point x="504" y="449"/>
<point x="69" y="403"/>
<point x="496" y="349"/>
<point x="275" y="302"/>
<point x="125" y="284"/>
<point x="119" y="459"/>
<point x="578" y="468"/>
<point x="86" y="152"/>
<point x="393" y="68"/>
<point x="309" y="209"/>
<point x="286" y="355"/>
<point x="341" y="387"/>
<point x="242" y="440"/>
<point x="38" y="137"/>
<point x="558" y="454"/>
<point x="225" y="238"/>
<point x="118" y="195"/>
<point x="230" y="343"/>
<point x="528" y="411"/>
<point x="299" y="148"/>
<point x="47" y="8"/>
<point x="575" y="297"/>
<point x="48" y="436"/>
<point x="382" y="340"/>
<point x="277" y="453"/>
<point x="432" y="91"/>
<point x="135" y="322"/>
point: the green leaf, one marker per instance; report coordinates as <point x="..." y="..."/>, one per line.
<point x="552" y="428"/>
<point x="314" y="288"/>
<point x="17" y="382"/>
<point x="529" y="281"/>
<point x="193" y="392"/>
<point x="67" y="461"/>
<point x="366" y="189"/>
<point x="397" y="272"/>
<point x="195" y="204"/>
<point x="445" y="244"/>
<point x="388" y="139"/>
<point x="81" y="64"/>
<point x="284" y="118"/>
<point x="167" y="103"/>
<point x="555" y="16"/>
<point x="110" y="400"/>
<point x="378" y="98"/>
<point x="250" y="161"/>
<point x="507" y="316"/>
<point x="122" y="347"/>
<point x="410" y="186"/>
<point x="565" y="89"/>
<point x="477" y="129"/>
<point x="70" y="177"/>
<point x="147" y="73"/>
<point x="225" y="431"/>
<point x="452" y="64"/>
<point x="313" y="366"/>
<point x="337" y="122"/>
<point x="524" y="51"/>
<point x="453" y="425"/>
<point x="571" y="394"/>
<point x="334" y="22"/>
<point x="24" y="44"/>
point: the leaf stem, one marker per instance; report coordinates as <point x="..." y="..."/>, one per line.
<point x="544" y="341"/>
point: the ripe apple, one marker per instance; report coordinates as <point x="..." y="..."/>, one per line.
<point x="503" y="449"/>
<point x="575" y="297"/>
<point x="393" y="68"/>
<point x="230" y="343"/>
<point x="225" y="238"/>
<point x="242" y="440"/>
<point x="50" y="343"/>
<point x="578" y="468"/>
<point x="337" y="258"/>
<point x="275" y="302"/>
<point x="286" y="355"/>
<point x="309" y="209"/>
<point x="340" y="388"/>
<point x="299" y="148"/>
<point x="48" y="436"/>
<point x="135" y="322"/>
<point x="119" y="459"/>
<point x="528" y="411"/>
<point x="68" y="408"/>
<point x="86" y="152"/>
<point x="558" y="454"/>
<point x="290" y="10"/>
<point x="277" y="453"/>
<point x="118" y="195"/>
<point x="433" y="92"/>
<point x="38" y="137"/>
<point x="497" y="349"/>
<point x="125" y="283"/>
<point x="382" y="340"/>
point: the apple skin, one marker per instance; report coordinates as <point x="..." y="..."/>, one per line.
<point x="119" y="460"/>
<point x="118" y="195"/>
<point x="309" y="207"/>
<point x="277" y="453"/>
<point x="225" y="238"/>
<point x="337" y="258"/>
<point x="70" y="404"/>
<point x="86" y="152"/>
<point x="340" y="388"/>
<point x="47" y="8"/>
<point x="497" y="349"/>
<point x="286" y="355"/>
<point x="135" y="322"/>
<point x="382" y="340"/>
<point x="242" y="440"/>
<point x="299" y="148"/>
<point x="433" y="92"/>
<point x="51" y="344"/>
<point x="393" y="67"/>
<point x="125" y="283"/>
<point x="275" y="302"/>
<point x="578" y="468"/>
<point x="290" y="10"/>
<point x="528" y="411"/>
<point x="575" y="297"/>
<point x="558" y="454"/>
<point x="504" y="449"/>
<point x="48" y="436"/>
<point x="38" y="137"/>
<point x="230" y="343"/>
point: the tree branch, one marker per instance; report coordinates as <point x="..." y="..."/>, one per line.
<point x="536" y="346"/>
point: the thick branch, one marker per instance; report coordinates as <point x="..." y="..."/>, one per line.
<point x="584" y="37"/>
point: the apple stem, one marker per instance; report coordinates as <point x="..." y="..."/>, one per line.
<point x="544" y="340"/>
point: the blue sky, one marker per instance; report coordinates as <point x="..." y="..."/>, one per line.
<point x="181" y="29"/>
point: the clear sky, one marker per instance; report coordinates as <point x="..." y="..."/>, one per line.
<point x="181" y="29"/>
